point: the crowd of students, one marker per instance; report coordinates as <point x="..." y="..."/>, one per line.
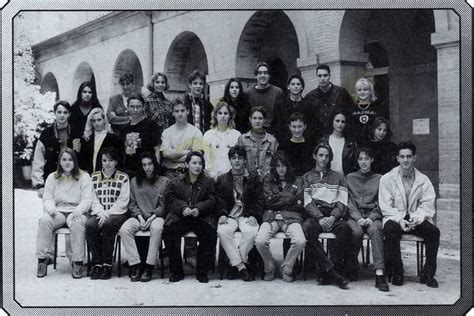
<point x="259" y="161"/>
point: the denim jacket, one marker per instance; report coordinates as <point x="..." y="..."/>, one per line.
<point x="259" y="162"/>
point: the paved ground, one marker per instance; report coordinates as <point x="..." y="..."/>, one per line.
<point x="59" y="289"/>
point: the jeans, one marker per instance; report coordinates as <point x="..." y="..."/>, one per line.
<point x="375" y="233"/>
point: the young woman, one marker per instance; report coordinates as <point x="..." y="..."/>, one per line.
<point x="385" y="152"/>
<point x="260" y="145"/>
<point x="109" y="212"/>
<point x="148" y="212"/>
<point x="219" y="139"/>
<point x="234" y="96"/>
<point x="96" y="137"/>
<point x="66" y="201"/>
<point x="190" y="201"/>
<point x="283" y="202"/>
<point x="157" y="107"/>
<point x="86" y="101"/>
<point x="342" y="143"/>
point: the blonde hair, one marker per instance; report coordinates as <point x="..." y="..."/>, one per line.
<point x="220" y="105"/>
<point x="364" y="82"/>
<point x="88" y="130"/>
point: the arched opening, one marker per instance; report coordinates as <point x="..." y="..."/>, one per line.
<point x="376" y="71"/>
<point x="185" y="55"/>
<point x="271" y="37"/>
<point x="49" y="83"/>
<point x="127" y="61"/>
<point x="83" y="73"/>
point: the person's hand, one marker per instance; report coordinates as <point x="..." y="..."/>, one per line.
<point x="102" y="216"/>
<point x="76" y="215"/>
<point x="362" y="222"/>
<point x="141" y="222"/>
<point x="148" y="222"/>
<point x="195" y="212"/>
<point x="252" y="221"/>
<point x="222" y="220"/>
<point x="404" y="225"/>
<point x="52" y="212"/>
<point x="187" y="211"/>
<point x="325" y="224"/>
<point x="412" y="223"/>
<point x="331" y="220"/>
<point x="368" y="221"/>
<point x="40" y="192"/>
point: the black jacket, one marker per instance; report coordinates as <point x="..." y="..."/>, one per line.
<point x="349" y="155"/>
<point x="205" y="112"/>
<point x="87" y="150"/>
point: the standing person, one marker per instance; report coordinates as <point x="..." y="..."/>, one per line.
<point x="148" y="212"/>
<point x="284" y="212"/>
<point x="260" y="145"/>
<point x="240" y="205"/>
<point x="235" y="96"/>
<point x="385" y="152"/>
<point x="218" y="140"/>
<point x="117" y="111"/>
<point x="178" y="140"/>
<point x="86" y="101"/>
<point x="66" y="201"/>
<point x="190" y="201"/>
<point x="109" y="212"/>
<point x="51" y="142"/>
<point x="366" y="108"/>
<point x="407" y="201"/>
<point x="199" y="108"/>
<point x="341" y="141"/>
<point x="285" y="107"/>
<point x="325" y="201"/>
<point x="365" y="215"/>
<point x="319" y="102"/>
<point x="140" y="135"/>
<point x="264" y="93"/>
<point x="157" y="107"/>
<point x="96" y="137"/>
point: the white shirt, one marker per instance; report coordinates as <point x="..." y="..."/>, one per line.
<point x="216" y="147"/>
<point x="188" y="138"/>
<point x="337" y="146"/>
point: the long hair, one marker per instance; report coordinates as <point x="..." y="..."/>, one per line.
<point x="377" y="121"/>
<point x="364" y="82"/>
<point x="89" y="129"/>
<point x="280" y="158"/>
<point x="347" y="131"/>
<point x="227" y="98"/>
<point x="94" y="101"/>
<point x="141" y="175"/>
<point x="76" y="172"/>
<point x="151" y="84"/>
<point x="220" y="105"/>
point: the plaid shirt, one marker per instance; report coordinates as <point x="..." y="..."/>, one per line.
<point x="159" y="109"/>
<point x="196" y="111"/>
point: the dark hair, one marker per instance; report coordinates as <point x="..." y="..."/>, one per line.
<point x="111" y="153"/>
<point x="136" y="96"/>
<point x="347" y="131"/>
<point x="198" y="154"/>
<point x="227" y="96"/>
<point x="262" y="64"/>
<point x="219" y="105"/>
<point x="297" y="76"/>
<point x="63" y="103"/>
<point x="239" y="150"/>
<point x="406" y="145"/>
<point x="296" y="116"/>
<point x="141" y="175"/>
<point x="151" y="84"/>
<point x="280" y="158"/>
<point x="177" y="101"/>
<point x="366" y="150"/>
<point x="75" y="171"/>
<point x="325" y="146"/>
<point x="94" y="101"/>
<point x="324" y="67"/>
<point x="377" y="121"/>
<point x="126" y="77"/>
<point x="258" y="108"/>
<point x="196" y="74"/>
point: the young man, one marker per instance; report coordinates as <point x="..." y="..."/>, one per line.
<point x="319" y="102"/>
<point x="117" y="111"/>
<point x="240" y="205"/>
<point x="297" y="148"/>
<point x="199" y="109"/>
<point x="263" y="93"/>
<point x="325" y="200"/>
<point x="365" y="214"/>
<point x="407" y="201"/>
<point x="178" y="140"/>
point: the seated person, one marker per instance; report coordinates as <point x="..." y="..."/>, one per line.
<point x="284" y="212"/>
<point x="240" y="203"/>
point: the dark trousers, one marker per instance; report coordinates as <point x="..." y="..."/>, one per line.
<point x="393" y="257"/>
<point x="206" y="237"/>
<point x="100" y="240"/>
<point x="340" y="250"/>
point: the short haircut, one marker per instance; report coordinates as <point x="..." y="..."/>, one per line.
<point x="325" y="146"/>
<point x="177" y="101"/>
<point x="237" y="150"/>
<point x="151" y="84"/>
<point x="109" y="152"/>
<point x="219" y="105"/>
<point x="195" y="75"/>
<point x="293" y="76"/>
<point x="324" y="67"/>
<point x="126" y="77"/>
<point x="364" y="82"/>
<point x="296" y="116"/>
<point x="260" y="64"/>
<point x="406" y="145"/>
<point x="75" y="173"/>
<point x="197" y="154"/>
<point x="366" y="150"/>
<point x="136" y="96"/>
<point x="63" y="103"/>
<point x="260" y="109"/>
<point x="89" y="129"/>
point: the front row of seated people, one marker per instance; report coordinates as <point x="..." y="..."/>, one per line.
<point x="99" y="206"/>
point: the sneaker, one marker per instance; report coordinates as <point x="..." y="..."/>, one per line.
<point x="338" y="279"/>
<point x="429" y="281"/>
<point x="287" y="277"/>
<point x="380" y="283"/>
<point x="176" y="277"/>
<point x="76" y="270"/>
<point x="42" y="269"/>
<point x="106" y="272"/>
<point x="202" y="277"/>
<point x="397" y="279"/>
<point x="245" y="275"/>
<point x="96" y="272"/>
<point x="135" y="277"/>
<point x="147" y="274"/>
<point x="269" y="276"/>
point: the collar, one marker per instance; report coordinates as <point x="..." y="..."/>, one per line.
<point x="406" y="177"/>
<point x="104" y="177"/>
<point x="246" y="174"/>
<point x="56" y="129"/>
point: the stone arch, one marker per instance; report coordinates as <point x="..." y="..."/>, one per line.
<point x="83" y="73"/>
<point x="49" y="83"/>
<point x="127" y="61"/>
<point x="268" y="36"/>
<point x="186" y="53"/>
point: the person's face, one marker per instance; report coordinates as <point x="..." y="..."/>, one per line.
<point x="234" y="89"/>
<point x="257" y="120"/>
<point x="406" y="159"/>
<point x="223" y="115"/>
<point x="86" y="94"/>
<point x="195" y="166"/>
<point x="297" y="128"/>
<point x="67" y="163"/>
<point x="323" y="77"/>
<point x="108" y="165"/>
<point x="135" y="108"/>
<point x="339" y="123"/>
<point x="281" y="169"/>
<point x="295" y="87"/>
<point x="98" y="123"/>
<point x="61" y="114"/>
<point x="148" y="167"/>
<point x="322" y="158"/>
<point x="180" y="113"/>
<point x="380" y="132"/>
<point x="365" y="162"/>
<point x="159" y="84"/>
<point x="127" y="87"/>
<point x="237" y="162"/>
<point x="263" y="76"/>
<point x="197" y="87"/>
<point x="363" y="93"/>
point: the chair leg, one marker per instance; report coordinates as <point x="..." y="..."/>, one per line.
<point x="119" y="263"/>
<point x="89" y="263"/>
<point x="418" y="258"/>
<point x="367" y="260"/>
<point x="55" y="250"/>
<point x="222" y="262"/>
<point x="162" y="261"/>
<point x="422" y="257"/>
